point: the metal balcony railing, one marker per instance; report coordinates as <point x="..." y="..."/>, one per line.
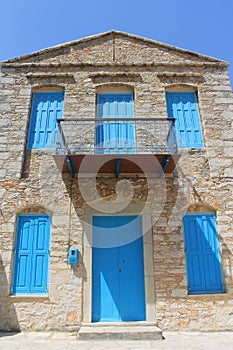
<point x="116" y="136"/>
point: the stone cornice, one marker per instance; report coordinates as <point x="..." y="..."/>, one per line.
<point x="120" y="65"/>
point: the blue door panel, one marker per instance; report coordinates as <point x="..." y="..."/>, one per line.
<point x="115" y="137"/>
<point x="132" y="293"/>
<point x="183" y="107"/>
<point x="25" y="239"/>
<point x="202" y="254"/>
<point x="105" y="285"/>
<point x="41" y="243"/>
<point x="39" y="274"/>
<point x="104" y="277"/>
<point x="105" y="232"/>
<point x="195" y="272"/>
<point x="117" y="272"/>
<point x="213" y="268"/>
<point x="23" y="265"/>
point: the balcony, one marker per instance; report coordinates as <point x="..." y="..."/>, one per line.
<point x="109" y="145"/>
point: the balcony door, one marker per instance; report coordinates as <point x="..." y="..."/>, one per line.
<point x="115" y="136"/>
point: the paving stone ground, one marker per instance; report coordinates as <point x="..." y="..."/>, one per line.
<point x="65" y="341"/>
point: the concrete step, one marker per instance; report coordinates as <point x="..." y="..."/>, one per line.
<point x="120" y="330"/>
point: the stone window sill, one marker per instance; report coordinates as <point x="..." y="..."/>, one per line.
<point x="27" y="297"/>
<point x="218" y="296"/>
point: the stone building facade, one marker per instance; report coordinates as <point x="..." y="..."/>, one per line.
<point x="193" y="182"/>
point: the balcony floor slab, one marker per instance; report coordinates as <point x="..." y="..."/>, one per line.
<point x="129" y="163"/>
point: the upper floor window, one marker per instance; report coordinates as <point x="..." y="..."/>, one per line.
<point x="204" y="267"/>
<point x="114" y="135"/>
<point x="31" y="257"/>
<point x="184" y="108"/>
<point x="47" y="107"/>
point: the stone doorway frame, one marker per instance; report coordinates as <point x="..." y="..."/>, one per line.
<point x="142" y="209"/>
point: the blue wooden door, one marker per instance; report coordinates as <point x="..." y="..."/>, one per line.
<point x="47" y="107"/>
<point x="184" y="108"/>
<point x="202" y="254"/>
<point x="115" y="136"/>
<point x="117" y="269"/>
<point x="31" y="255"/>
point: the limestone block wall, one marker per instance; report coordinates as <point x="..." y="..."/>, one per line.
<point x="63" y="308"/>
<point x="31" y="182"/>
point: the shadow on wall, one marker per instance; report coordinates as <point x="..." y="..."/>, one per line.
<point x="227" y="265"/>
<point x="8" y="316"/>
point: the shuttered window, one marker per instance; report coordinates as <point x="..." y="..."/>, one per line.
<point x="203" y="259"/>
<point x="115" y="136"/>
<point x="184" y="108"/>
<point x="31" y="255"/>
<point x="47" y="107"/>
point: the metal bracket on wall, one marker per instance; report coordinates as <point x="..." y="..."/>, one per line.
<point x="70" y="166"/>
<point x="117" y="167"/>
<point x="165" y="163"/>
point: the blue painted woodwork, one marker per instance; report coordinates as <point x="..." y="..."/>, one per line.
<point x="117" y="168"/>
<point x="70" y="166"/>
<point x="118" y="292"/>
<point x="47" y="107"/>
<point x="31" y="254"/>
<point x="115" y="137"/>
<point x="202" y="254"/>
<point x="165" y="163"/>
<point x="184" y="108"/>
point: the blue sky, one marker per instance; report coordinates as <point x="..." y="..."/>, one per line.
<point x="203" y="26"/>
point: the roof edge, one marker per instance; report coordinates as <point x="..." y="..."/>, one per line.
<point x="116" y="32"/>
<point x="168" y="46"/>
<point x="59" y="46"/>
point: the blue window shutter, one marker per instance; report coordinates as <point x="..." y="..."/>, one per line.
<point x="193" y="254"/>
<point x="31" y="254"/>
<point x="211" y="254"/>
<point x="184" y="108"/>
<point x="202" y="254"/>
<point x="114" y="137"/>
<point x="47" y="107"/>
<point x="23" y="254"/>
<point x="40" y="255"/>
<point x="114" y="106"/>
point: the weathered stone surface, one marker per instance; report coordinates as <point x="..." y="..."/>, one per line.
<point x="126" y="331"/>
<point x="31" y="183"/>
